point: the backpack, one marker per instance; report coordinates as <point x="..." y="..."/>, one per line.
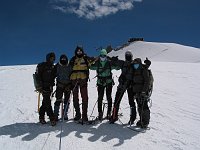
<point x="36" y="81"/>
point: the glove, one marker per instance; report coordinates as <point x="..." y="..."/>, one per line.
<point x="39" y="89"/>
<point x="147" y="62"/>
<point x="114" y="58"/>
<point x="143" y="94"/>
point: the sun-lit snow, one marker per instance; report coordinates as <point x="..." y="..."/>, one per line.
<point x="175" y="113"/>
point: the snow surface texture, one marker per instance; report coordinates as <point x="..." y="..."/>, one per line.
<point x="175" y="113"/>
<point x="167" y="52"/>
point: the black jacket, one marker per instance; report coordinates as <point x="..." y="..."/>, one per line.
<point x="140" y="79"/>
<point x="45" y="74"/>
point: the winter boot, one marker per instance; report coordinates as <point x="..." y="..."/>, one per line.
<point x="42" y="120"/>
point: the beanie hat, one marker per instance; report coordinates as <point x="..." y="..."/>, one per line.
<point x="103" y="52"/>
<point x="77" y="49"/>
<point x="63" y="59"/>
<point x="128" y="56"/>
<point x="137" y="60"/>
<point x="49" y="55"/>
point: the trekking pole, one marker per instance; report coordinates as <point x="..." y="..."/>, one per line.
<point x="93" y="108"/>
<point x="102" y="90"/>
<point x="61" y="127"/>
<point x="39" y="102"/>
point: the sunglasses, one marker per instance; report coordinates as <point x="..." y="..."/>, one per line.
<point x="102" y="56"/>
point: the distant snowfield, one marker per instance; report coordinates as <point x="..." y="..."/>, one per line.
<point x="167" y="52"/>
<point x="174" y="125"/>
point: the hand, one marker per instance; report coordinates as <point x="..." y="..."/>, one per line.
<point x="147" y="62"/>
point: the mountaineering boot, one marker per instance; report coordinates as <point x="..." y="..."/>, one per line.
<point x="131" y="121"/>
<point x="77" y="116"/>
<point x="56" y="112"/>
<point x="53" y="121"/>
<point x="114" y="116"/>
<point x="132" y="115"/>
<point x="77" y="110"/>
<point x="138" y="123"/>
<point x="42" y="120"/>
<point x="141" y="124"/>
<point x="100" y="116"/>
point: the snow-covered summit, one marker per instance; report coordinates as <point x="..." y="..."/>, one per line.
<point x="165" y="52"/>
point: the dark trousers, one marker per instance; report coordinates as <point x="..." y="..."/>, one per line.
<point x="59" y="95"/>
<point x="46" y="104"/>
<point x="143" y="110"/>
<point x="82" y="86"/>
<point x="118" y="97"/>
<point x="100" y="90"/>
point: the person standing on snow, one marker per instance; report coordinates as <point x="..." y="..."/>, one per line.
<point x="79" y="77"/>
<point x="45" y="76"/>
<point x="103" y="67"/>
<point x="63" y="86"/>
<point x="140" y="83"/>
<point x="125" y="83"/>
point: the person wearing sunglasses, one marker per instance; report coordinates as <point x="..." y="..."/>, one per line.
<point x="104" y="67"/>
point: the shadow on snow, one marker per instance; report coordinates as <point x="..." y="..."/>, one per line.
<point x="103" y="131"/>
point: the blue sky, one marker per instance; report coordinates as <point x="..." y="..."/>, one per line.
<point x="32" y="28"/>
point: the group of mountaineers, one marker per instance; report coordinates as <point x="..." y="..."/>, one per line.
<point x="72" y="76"/>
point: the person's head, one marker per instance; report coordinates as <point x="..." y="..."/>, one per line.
<point x="128" y="56"/>
<point x="50" y="57"/>
<point x="137" y="63"/>
<point x="103" y="55"/>
<point x="79" y="51"/>
<point x="63" y="60"/>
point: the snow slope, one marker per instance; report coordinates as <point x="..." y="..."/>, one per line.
<point x="167" y="52"/>
<point x="175" y="113"/>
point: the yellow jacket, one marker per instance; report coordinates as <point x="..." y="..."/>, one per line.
<point x="80" y="69"/>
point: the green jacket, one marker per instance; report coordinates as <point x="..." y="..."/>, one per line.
<point x="103" y="69"/>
